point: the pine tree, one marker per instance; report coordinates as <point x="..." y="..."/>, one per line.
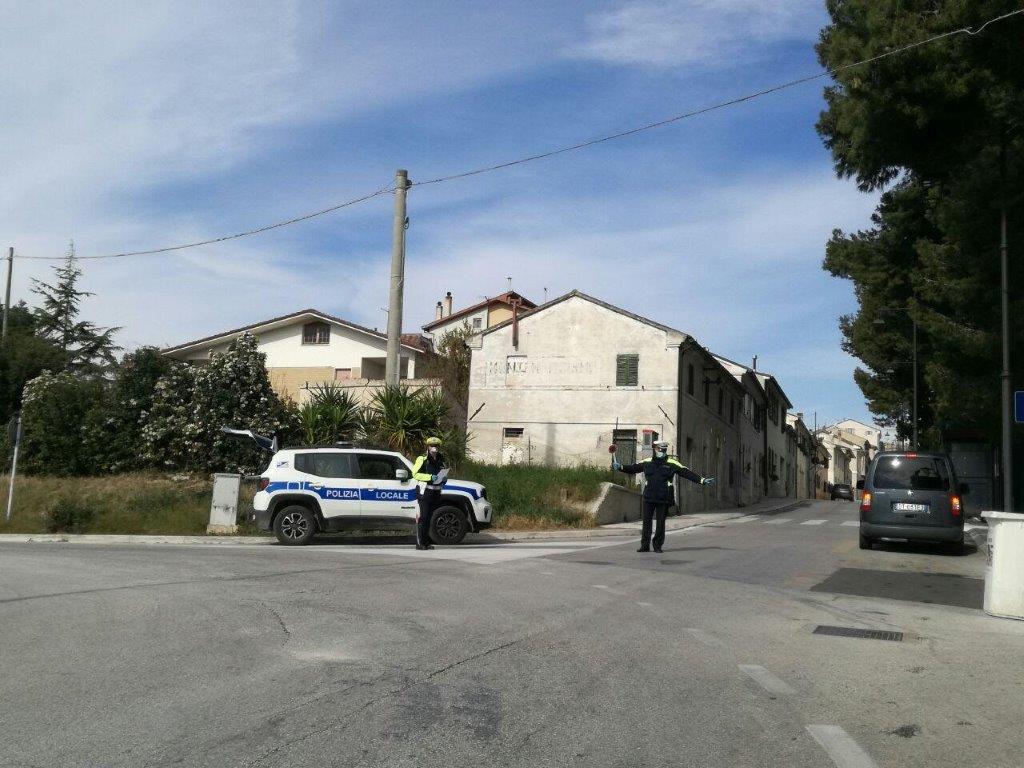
<point x="88" y="348"/>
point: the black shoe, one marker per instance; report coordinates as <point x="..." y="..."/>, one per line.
<point x="422" y="546"/>
<point x="644" y="549"/>
<point x="658" y="550"/>
<point x="428" y="546"/>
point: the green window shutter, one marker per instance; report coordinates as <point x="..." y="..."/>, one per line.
<point x="627" y="370"/>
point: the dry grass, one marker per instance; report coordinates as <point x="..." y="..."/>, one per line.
<point x="135" y="503"/>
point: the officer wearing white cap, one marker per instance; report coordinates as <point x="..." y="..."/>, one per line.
<point x="659" y="470"/>
<point x="426" y="470"/>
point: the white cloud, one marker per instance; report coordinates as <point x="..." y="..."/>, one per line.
<point x="702" y="33"/>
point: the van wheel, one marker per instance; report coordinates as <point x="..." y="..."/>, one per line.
<point x="955" y="548"/>
<point x="866" y="542"/>
<point x="294" y="526"/>
<point x="448" y="525"/>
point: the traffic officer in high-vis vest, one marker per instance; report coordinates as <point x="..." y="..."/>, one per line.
<point x="426" y="470"/>
<point x="659" y="472"/>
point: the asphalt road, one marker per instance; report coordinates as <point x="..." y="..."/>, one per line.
<point x="538" y="654"/>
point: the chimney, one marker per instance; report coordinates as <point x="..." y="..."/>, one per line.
<point x="438" y="311"/>
<point x="515" y="324"/>
<point x="754" y="366"/>
<point x="447" y="304"/>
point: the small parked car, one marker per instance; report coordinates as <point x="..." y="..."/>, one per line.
<point x="842" y="491"/>
<point x="912" y="496"/>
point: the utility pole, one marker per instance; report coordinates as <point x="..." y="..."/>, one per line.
<point x="392" y="370"/>
<point x="914" y="321"/>
<point x="7" y="299"/>
<point x="1007" y="393"/>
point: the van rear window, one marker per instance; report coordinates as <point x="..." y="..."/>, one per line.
<point x="917" y="474"/>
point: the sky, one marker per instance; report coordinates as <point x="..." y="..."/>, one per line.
<point x="138" y="125"/>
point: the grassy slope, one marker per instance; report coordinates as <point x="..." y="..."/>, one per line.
<point x="524" y="497"/>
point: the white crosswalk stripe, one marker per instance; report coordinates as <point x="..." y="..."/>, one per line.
<point x="813" y="522"/>
<point x="779" y="521"/>
<point x="851" y="523"/>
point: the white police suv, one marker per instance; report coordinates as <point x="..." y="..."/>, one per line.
<point x="306" y="491"/>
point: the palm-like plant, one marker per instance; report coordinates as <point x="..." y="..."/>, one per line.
<point x="330" y="415"/>
<point x="402" y="419"/>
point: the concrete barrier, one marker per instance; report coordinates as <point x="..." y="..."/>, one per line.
<point x="615" y="504"/>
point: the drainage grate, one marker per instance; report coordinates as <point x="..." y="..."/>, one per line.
<point x="867" y="634"/>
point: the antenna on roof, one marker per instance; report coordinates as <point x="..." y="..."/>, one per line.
<point x="545" y="295"/>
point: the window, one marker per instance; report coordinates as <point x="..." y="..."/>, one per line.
<point x="512" y="433"/>
<point x="707" y="392"/>
<point x="478" y="323"/>
<point x="721" y="399"/>
<point x="325" y="464"/>
<point x="316" y="333"/>
<point x="689" y="379"/>
<point x="340" y="374"/>
<point x="378" y="466"/>
<point x="920" y="474"/>
<point x="627" y="370"/>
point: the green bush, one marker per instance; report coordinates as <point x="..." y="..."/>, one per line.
<point x="69" y="515"/>
<point x="54" y="415"/>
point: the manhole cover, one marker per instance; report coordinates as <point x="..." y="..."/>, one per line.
<point x="866" y="634"/>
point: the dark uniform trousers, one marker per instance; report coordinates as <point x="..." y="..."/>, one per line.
<point x="428" y="502"/>
<point x="653" y="511"/>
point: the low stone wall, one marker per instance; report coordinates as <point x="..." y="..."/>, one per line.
<point x="615" y="504"/>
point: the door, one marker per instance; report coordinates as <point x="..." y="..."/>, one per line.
<point x="332" y="477"/>
<point x="912" y="490"/>
<point x="380" y="493"/>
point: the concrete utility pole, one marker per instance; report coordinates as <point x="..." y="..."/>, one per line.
<point x="7" y="299"/>
<point x="1007" y="389"/>
<point x="392" y="370"/>
<point x="914" y="321"/>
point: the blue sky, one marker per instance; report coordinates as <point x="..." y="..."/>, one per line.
<point x="133" y="125"/>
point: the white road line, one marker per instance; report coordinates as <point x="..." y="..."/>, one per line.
<point x="779" y="521"/>
<point x="745" y="519"/>
<point x="813" y="522"/>
<point x="546" y="573"/>
<point x="645" y="605"/>
<point x="851" y="523"/>
<point x="766" y="679"/>
<point x="844" y="751"/>
<point x="600" y="586"/>
<point x="703" y="637"/>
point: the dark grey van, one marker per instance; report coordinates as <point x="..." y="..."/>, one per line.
<point x="913" y="496"/>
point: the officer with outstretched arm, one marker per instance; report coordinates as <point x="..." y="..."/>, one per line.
<point x="426" y="470"/>
<point x="659" y="471"/>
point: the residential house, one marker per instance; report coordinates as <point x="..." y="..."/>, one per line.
<point x="804" y="450"/>
<point x="310" y="347"/>
<point x="562" y="382"/>
<point x="752" y="434"/>
<point x="478" y="317"/>
<point x="820" y="461"/>
<point x="842" y="460"/>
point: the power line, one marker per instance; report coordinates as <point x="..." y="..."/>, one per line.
<point x="562" y="150"/>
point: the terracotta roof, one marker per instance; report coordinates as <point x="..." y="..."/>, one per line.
<point x="416" y="341"/>
<point x="312" y="313"/>
<point x="502" y="298"/>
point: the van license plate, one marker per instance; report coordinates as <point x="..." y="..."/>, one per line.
<point x="902" y="506"/>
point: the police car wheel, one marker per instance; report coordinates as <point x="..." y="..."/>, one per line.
<point x="448" y="525"/>
<point x="294" y="526"/>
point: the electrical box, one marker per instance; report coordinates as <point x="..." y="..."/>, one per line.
<point x="224" y="506"/>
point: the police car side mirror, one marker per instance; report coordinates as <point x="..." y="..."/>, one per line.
<point x="402" y="474"/>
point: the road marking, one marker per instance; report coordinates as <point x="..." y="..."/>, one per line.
<point x="746" y="519"/>
<point x="852" y="523"/>
<point x="813" y="522"/>
<point x="645" y="605"/>
<point x="779" y="521"/>
<point x="703" y="637"/>
<point x="844" y="751"/>
<point x="546" y="573"/>
<point x="600" y="586"/>
<point x="766" y="680"/>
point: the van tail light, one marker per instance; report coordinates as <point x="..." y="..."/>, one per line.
<point x="264" y="482"/>
<point x="865" y="502"/>
<point x="911" y="455"/>
<point x="954" y="506"/>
